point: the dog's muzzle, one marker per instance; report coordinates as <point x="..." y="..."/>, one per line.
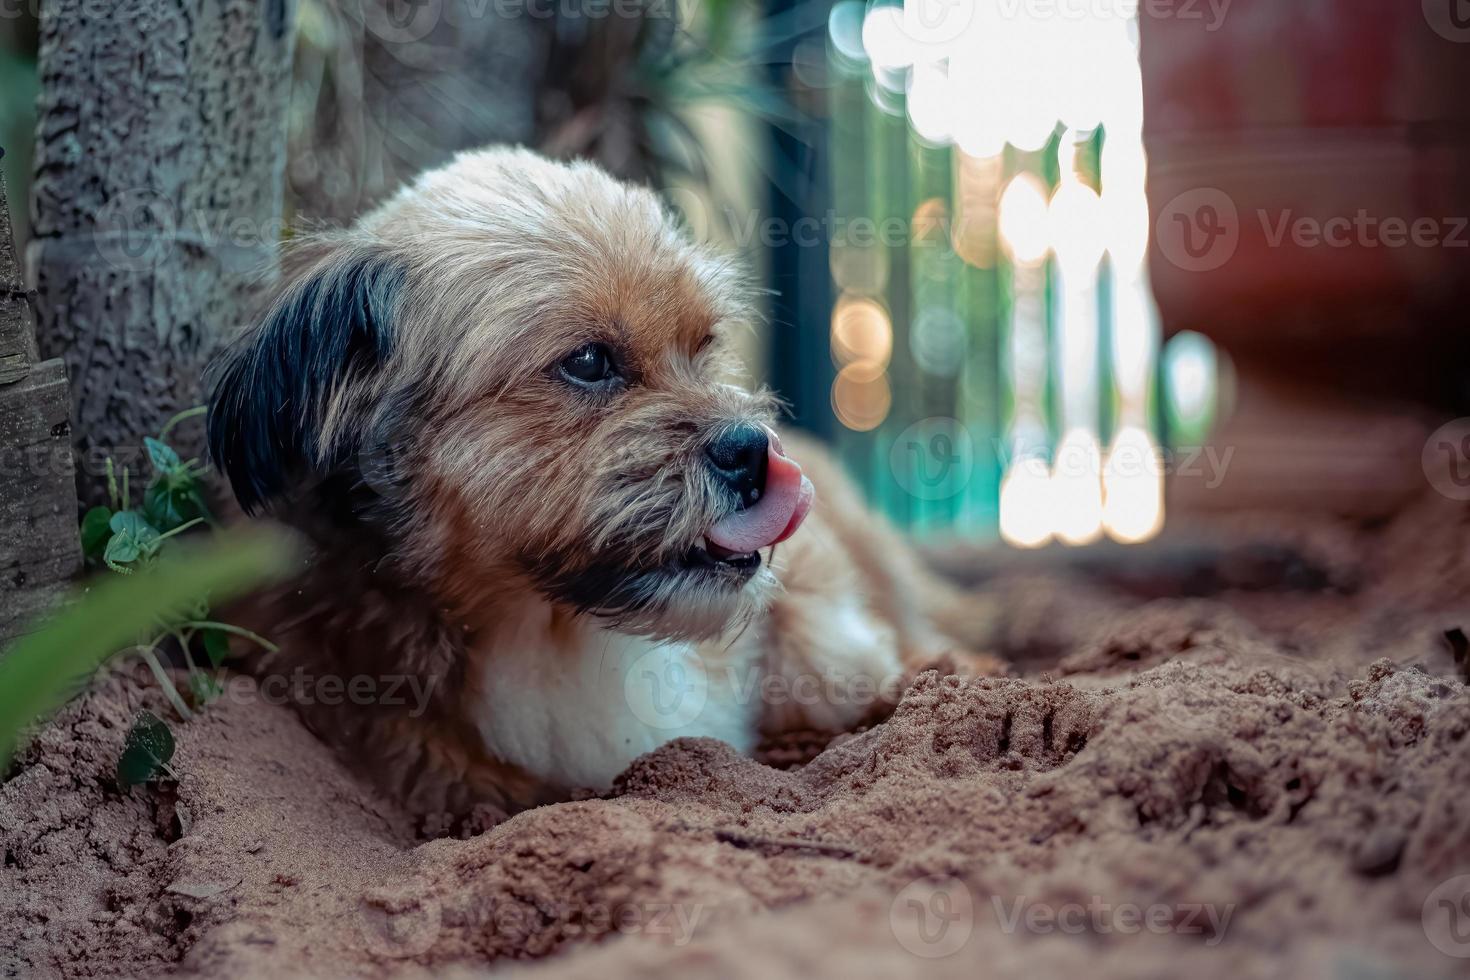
<point x="773" y="494"/>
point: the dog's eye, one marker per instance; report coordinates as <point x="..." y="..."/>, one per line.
<point x="589" y="364"/>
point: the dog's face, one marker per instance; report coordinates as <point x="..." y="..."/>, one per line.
<point x="515" y="371"/>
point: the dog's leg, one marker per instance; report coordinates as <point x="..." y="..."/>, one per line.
<point x="859" y="614"/>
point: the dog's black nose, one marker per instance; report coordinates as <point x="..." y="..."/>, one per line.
<point x="738" y="458"/>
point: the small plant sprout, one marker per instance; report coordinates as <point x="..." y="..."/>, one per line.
<point x="127" y="539"/>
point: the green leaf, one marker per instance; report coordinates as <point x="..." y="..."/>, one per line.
<point x="162" y="455"/>
<point x="146" y="752"/>
<point x="44" y="669"/>
<point x="162" y="506"/>
<point x="121" y="550"/>
<point x="216" y="646"/>
<point x="132" y="538"/>
<point x="96" y="529"/>
<point x="174" y="498"/>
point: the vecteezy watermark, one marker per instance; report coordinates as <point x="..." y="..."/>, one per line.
<point x="1363" y="230"/>
<point x="1446" y="459"/>
<point x="1101" y="917"/>
<point x="302" y="687"/>
<point x="1212" y="12"/>
<point x="933" y="459"/>
<point x="668" y="689"/>
<point x="1200" y="230"/>
<point x="1208" y="463"/>
<point x="398" y="927"/>
<point x="935" y="916"/>
<point x="137" y="230"/>
<point x="1446" y="917"/>
<point x="1450" y="19"/>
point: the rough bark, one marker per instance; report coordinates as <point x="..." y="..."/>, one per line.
<point x="159" y="163"/>
<point x="39" y="550"/>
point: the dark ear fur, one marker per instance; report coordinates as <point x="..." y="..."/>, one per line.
<point x="268" y="391"/>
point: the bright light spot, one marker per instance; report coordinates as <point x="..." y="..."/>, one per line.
<point x="845" y="25"/>
<point x="885" y="40"/>
<point x="1077" y="504"/>
<point x="1124" y="220"/>
<point x="1135" y="339"/>
<point x="1026" y="503"/>
<point x="1133" y="487"/>
<point x="861" y="333"/>
<point x="1190" y="372"/>
<point x="1029" y="132"/>
<point x="887" y="89"/>
<point x="1023" y="220"/>
<point x="930" y="101"/>
<point x="861" y="397"/>
<point x="1075" y="227"/>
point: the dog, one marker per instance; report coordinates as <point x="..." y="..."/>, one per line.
<point x="503" y="412"/>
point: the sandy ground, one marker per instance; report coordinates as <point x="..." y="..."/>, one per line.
<point x="1272" y="780"/>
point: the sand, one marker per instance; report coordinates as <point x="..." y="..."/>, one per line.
<point x="1270" y="780"/>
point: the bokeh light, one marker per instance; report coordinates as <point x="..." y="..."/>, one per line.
<point x="861" y="396"/>
<point x="1024" y="220"/>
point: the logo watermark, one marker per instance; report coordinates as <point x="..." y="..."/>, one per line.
<point x="1446" y="459"/>
<point x="1450" y="19"/>
<point x="933" y="459"/>
<point x="1446" y="917"/>
<point x="1199" y="230"/>
<point x="933" y="917"/>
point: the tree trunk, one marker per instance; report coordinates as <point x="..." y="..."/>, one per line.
<point x="159" y="161"/>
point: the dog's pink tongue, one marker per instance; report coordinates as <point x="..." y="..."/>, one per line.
<point x="775" y="517"/>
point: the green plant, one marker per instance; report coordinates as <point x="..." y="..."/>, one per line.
<point x="46" y="668"/>
<point x="126" y="538"/>
<point x="129" y="536"/>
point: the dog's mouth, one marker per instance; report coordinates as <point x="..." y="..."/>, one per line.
<point x="734" y="542"/>
<point x="710" y="557"/>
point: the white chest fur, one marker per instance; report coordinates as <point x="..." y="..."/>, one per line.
<point x="575" y="711"/>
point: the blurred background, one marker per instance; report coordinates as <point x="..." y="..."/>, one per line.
<point x="1049" y="272"/>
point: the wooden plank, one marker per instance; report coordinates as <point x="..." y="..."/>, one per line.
<point x="39" y="550"/>
<point x="39" y="547"/>
<point x="15" y="312"/>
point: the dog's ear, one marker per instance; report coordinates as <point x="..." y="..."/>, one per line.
<point x="277" y="395"/>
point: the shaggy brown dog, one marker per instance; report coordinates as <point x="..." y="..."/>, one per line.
<point x="499" y="408"/>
